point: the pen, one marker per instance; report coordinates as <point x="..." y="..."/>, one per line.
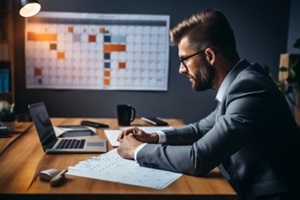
<point x="58" y="178"/>
<point x="134" y="132"/>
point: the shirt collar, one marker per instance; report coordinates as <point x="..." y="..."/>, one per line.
<point x="227" y="81"/>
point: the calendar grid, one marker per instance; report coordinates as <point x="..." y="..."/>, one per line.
<point x="97" y="51"/>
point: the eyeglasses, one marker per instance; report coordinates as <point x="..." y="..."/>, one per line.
<point x="183" y="59"/>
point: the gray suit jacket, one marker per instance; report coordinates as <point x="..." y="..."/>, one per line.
<point x="252" y="137"/>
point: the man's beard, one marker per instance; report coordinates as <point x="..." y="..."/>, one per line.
<point x="203" y="77"/>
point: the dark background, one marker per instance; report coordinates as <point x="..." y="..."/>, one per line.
<point x="264" y="29"/>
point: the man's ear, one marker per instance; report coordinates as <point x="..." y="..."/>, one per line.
<point x="210" y="55"/>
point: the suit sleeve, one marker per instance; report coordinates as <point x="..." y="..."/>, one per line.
<point x="190" y="133"/>
<point x="197" y="148"/>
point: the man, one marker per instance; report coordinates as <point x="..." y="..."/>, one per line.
<point x="251" y="136"/>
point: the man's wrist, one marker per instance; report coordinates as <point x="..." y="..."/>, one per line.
<point x="161" y="137"/>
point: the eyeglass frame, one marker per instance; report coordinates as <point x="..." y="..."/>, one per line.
<point x="187" y="57"/>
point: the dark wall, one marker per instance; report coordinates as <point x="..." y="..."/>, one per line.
<point x="261" y="29"/>
<point x="294" y="26"/>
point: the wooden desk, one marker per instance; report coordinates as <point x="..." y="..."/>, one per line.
<point x="21" y="162"/>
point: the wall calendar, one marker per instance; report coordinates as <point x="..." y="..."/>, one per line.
<point x="66" y="50"/>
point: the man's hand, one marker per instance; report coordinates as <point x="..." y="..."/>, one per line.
<point x="127" y="146"/>
<point x="131" y="138"/>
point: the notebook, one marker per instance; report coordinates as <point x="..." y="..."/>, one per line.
<point x="52" y="144"/>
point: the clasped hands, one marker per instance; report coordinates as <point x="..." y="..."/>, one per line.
<point x="131" y="138"/>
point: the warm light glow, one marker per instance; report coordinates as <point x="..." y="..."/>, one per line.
<point x="30" y="9"/>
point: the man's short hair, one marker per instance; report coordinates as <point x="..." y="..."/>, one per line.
<point x="208" y="28"/>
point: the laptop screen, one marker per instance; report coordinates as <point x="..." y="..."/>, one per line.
<point x="41" y="120"/>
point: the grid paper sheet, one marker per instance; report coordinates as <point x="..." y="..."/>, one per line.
<point x="111" y="167"/>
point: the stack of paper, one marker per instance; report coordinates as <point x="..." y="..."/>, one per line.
<point x="112" y="167"/>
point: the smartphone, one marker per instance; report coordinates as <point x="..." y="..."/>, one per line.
<point x="93" y="124"/>
<point x="155" y="121"/>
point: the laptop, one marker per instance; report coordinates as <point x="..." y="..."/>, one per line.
<point x="53" y="144"/>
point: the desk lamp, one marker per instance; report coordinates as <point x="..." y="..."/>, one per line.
<point x="28" y="8"/>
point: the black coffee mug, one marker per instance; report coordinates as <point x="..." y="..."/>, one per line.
<point x="126" y="114"/>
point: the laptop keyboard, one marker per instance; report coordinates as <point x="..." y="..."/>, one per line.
<point x="71" y="144"/>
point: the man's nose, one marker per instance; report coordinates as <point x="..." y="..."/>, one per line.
<point x="183" y="69"/>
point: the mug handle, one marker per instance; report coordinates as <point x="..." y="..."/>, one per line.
<point x="133" y="114"/>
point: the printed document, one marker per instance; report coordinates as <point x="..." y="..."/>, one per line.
<point x="112" y="167"/>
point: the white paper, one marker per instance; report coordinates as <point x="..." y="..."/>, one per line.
<point x="60" y="130"/>
<point x="112" y="135"/>
<point x="112" y="167"/>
